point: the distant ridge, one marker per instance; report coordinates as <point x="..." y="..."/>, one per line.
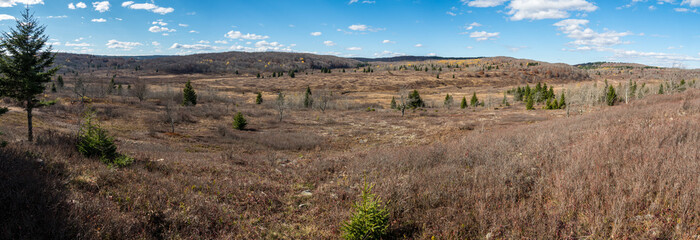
<point x="412" y="58"/>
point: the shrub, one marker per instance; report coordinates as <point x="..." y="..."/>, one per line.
<point x="93" y="141"/>
<point x="463" y="105"/>
<point x="259" y="99"/>
<point x="370" y="219"/>
<point x="414" y="100"/>
<point x="239" y="121"/>
<point x="189" y="95"/>
<point x="448" y="101"/>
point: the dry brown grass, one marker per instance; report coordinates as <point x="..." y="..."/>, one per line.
<point x="627" y="171"/>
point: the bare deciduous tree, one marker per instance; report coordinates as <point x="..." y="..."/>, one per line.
<point x="324" y="97"/>
<point x="140" y="90"/>
<point x="280" y="104"/>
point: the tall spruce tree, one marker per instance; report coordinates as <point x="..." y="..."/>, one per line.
<point x="611" y="96"/>
<point x="25" y="64"/>
<point x="474" y="101"/>
<point x="59" y="81"/>
<point x="529" y="103"/>
<point x="189" y="96"/>
<point x="463" y="105"/>
<point x="308" y="101"/>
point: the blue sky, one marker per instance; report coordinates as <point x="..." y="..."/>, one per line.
<point x="655" y="32"/>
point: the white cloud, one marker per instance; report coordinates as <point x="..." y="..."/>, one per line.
<point x="57" y="17"/>
<point x="451" y="13"/>
<point x="432" y="54"/>
<point x="160" y="22"/>
<point x="329" y="43"/>
<point x="101" y="6"/>
<point x="472" y="26"/>
<point x="483" y="36"/>
<point x="100" y="20"/>
<point x="546" y="9"/>
<point x="363" y="28"/>
<point x="191" y="46"/>
<point x="156" y="29"/>
<point x="316" y="34"/>
<point x="652" y="8"/>
<point x="11" y="3"/>
<point x="692" y="3"/>
<point x="6" y="17"/>
<point x="358" y="27"/>
<point x="148" y="7"/>
<point x="69" y="44"/>
<point x="538" y="9"/>
<point x="77" y="5"/>
<point x="203" y="41"/>
<point x="221" y="42"/>
<point x="183" y="25"/>
<point x="388" y="54"/>
<point x="248" y="36"/>
<point x="388" y="41"/>
<point x="122" y="45"/>
<point x="364" y="1"/>
<point x="354" y="49"/>
<point x="418" y="45"/>
<point x="483" y="3"/>
<point x="585" y="37"/>
<point x="154" y="43"/>
<point x="684" y="10"/>
<point x="193" y="31"/>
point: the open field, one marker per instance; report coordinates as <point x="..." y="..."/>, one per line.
<point x="496" y="171"/>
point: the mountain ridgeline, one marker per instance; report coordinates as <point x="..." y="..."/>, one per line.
<point x="208" y="63"/>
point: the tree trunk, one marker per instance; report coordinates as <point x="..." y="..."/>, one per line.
<point x="30" y="135"/>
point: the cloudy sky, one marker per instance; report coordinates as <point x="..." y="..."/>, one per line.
<point x="655" y="32"/>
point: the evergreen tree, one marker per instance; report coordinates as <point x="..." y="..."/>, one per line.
<point x="505" y="100"/>
<point x="53" y="87"/>
<point x="112" y="86"/>
<point x="119" y="89"/>
<point x="60" y="81"/>
<point x="474" y="101"/>
<point x="259" y="99"/>
<point x="393" y="103"/>
<point x="661" y="88"/>
<point x="414" y="100"/>
<point x="529" y="105"/>
<point x="448" y="101"/>
<point x="611" y="96"/>
<point x="528" y="91"/>
<point x="548" y="105"/>
<point x="189" y="96"/>
<point x="291" y="74"/>
<point x="463" y="105"/>
<point x="258" y="76"/>
<point x="308" y="101"/>
<point x="25" y="64"/>
<point x="274" y="74"/>
<point x="562" y="101"/>
<point x="239" y="121"/>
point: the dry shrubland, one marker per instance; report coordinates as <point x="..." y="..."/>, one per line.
<point x="492" y="172"/>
